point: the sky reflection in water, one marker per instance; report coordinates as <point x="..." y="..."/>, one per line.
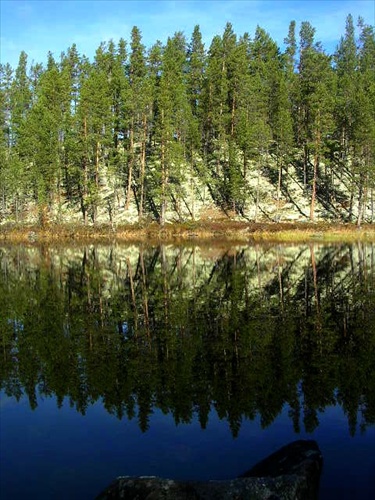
<point x="267" y="339"/>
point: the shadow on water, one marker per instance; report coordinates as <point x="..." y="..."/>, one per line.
<point x="187" y="330"/>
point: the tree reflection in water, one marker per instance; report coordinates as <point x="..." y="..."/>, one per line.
<point x="188" y="329"/>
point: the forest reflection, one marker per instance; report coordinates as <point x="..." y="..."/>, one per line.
<point x="189" y="330"/>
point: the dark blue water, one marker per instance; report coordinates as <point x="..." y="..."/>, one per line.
<point x="183" y="363"/>
<point x="58" y="453"/>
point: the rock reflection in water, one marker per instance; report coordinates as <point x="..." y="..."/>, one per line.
<point x="189" y="329"/>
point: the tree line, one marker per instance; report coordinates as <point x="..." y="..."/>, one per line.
<point x="150" y="127"/>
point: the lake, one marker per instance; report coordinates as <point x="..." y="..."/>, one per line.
<point x="187" y="362"/>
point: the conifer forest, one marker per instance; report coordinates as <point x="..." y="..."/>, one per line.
<point x="172" y="131"/>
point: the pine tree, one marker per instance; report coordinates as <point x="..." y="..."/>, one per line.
<point x="282" y="130"/>
<point x="70" y="68"/>
<point x="347" y="110"/>
<point x="240" y="123"/>
<point x="242" y="81"/>
<point x="291" y="47"/>
<point x="45" y="140"/>
<point x="6" y="160"/>
<point x="140" y="99"/>
<point x="316" y="100"/>
<point x="196" y="63"/>
<point x="196" y="68"/>
<point x="264" y="55"/>
<point x="172" y="122"/>
<point x="115" y="64"/>
<point x="21" y="98"/>
<point x="364" y="154"/>
<point x="219" y="104"/>
<point x="36" y="71"/>
<point x="20" y="105"/>
<point x="94" y="124"/>
<point x="281" y="85"/>
<point x="214" y="97"/>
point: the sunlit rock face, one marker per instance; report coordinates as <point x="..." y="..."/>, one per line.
<point x="291" y="473"/>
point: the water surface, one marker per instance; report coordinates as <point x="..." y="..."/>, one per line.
<point x="183" y="362"/>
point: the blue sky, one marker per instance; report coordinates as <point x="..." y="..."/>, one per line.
<point x="37" y="26"/>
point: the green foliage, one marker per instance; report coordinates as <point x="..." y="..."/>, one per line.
<point x="145" y="126"/>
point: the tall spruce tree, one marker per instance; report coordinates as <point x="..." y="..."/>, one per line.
<point x="20" y="104"/>
<point x="276" y="73"/>
<point x="316" y="100"/>
<point x="262" y="52"/>
<point x="118" y="154"/>
<point x="196" y="64"/>
<point x="283" y="85"/>
<point x="196" y="58"/>
<point x="6" y="160"/>
<point x="347" y="105"/>
<point x="219" y="105"/>
<point x="21" y="98"/>
<point x="290" y="67"/>
<point x="46" y="138"/>
<point x="172" y="123"/>
<point x="70" y="68"/>
<point x="140" y="106"/>
<point x="364" y="155"/>
<point x="241" y="90"/>
<point x="94" y="121"/>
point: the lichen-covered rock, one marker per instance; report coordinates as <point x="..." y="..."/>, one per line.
<point x="293" y="472"/>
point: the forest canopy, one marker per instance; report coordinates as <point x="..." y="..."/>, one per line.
<point x="159" y="131"/>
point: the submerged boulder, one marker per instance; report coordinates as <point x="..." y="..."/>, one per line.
<point x="292" y="472"/>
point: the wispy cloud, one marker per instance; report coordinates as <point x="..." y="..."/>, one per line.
<point x="23" y="9"/>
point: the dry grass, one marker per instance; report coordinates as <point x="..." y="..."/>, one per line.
<point x="218" y="230"/>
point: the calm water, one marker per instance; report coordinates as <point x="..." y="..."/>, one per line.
<point x="183" y="362"/>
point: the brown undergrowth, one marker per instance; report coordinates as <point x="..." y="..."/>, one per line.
<point x="201" y="231"/>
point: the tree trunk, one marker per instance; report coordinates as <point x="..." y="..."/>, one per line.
<point x="232" y="117"/>
<point x="164" y="180"/>
<point x="279" y="180"/>
<point x="94" y="199"/>
<point x="351" y="201"/>
<point x="313" y="190"/>
<point x="192" y="199"/>
<point x="143" y="165"/>
<point x="315" y="173"/>
<point x="361" y="198"/>
<point x="17" y="208"/>
<point x="97" y="164"/>
<point x="257" y="196"/>
<point x="85" y="175"/>
<point x="305" y="161"/>
<point x="130" y="172"/>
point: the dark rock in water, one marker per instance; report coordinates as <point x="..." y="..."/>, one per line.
<point x="293" y="472"/>
<point x="293" y="458"/>
<point x="299" y="458"/>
